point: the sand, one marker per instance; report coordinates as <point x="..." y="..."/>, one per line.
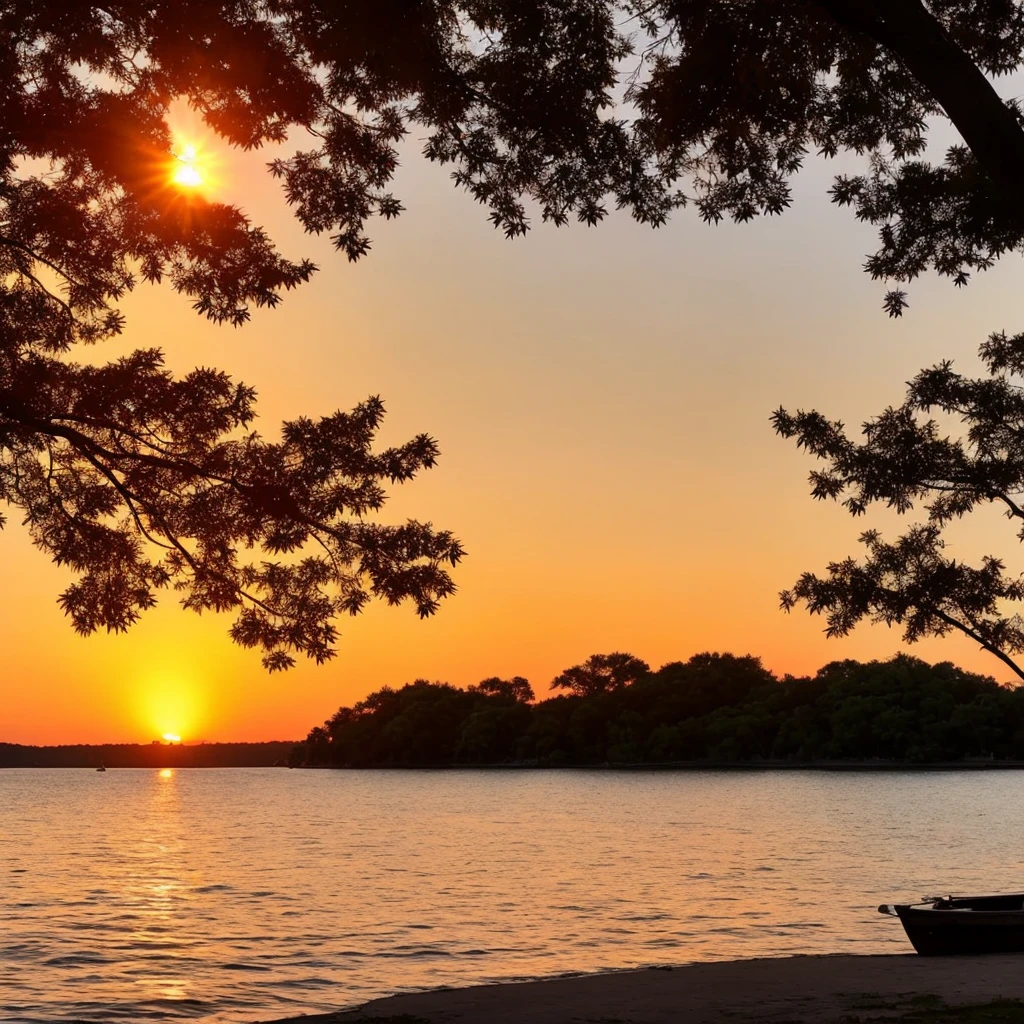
<point x="805" y="989"/>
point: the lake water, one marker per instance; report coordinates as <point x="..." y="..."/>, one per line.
<point x="241" y="895"/>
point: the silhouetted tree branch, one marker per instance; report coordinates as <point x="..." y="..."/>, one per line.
<point x="523" y="99"/>
<point x="989" y="126"/>
<point x="906" y="460"/>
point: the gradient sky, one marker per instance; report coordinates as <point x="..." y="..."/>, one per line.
<point x="601" y="397"/>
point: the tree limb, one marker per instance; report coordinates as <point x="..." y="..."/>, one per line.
<point x="987" y="124"/>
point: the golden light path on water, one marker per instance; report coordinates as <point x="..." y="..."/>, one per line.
<point x="242" y="895"/>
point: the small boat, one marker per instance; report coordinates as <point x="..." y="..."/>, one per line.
<point x="949" y="925"/>
<point x="102" y="767"/>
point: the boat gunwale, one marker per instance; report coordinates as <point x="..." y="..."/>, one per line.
<point x="946" y="906"/>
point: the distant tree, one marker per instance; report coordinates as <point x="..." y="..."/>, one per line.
<point x="429" y="723"/>
<point x="732" y="710"/>
<point x="601" y="673"/>
<point x="547" y="738"/>
<point x="905" y="460"/>
<point x="317" y="748"/>
<point x="906" y="710"/>
<point x="517" y="688"/>
<point x="706" y="681"/>
<point x="492" y="734"/>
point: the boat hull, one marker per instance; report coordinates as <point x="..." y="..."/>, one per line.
<point x="965" y="926"/>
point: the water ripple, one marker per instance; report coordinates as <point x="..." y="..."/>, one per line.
<point x="239" y="895"/>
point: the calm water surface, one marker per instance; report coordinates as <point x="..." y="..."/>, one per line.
<point x="240" y="895"/>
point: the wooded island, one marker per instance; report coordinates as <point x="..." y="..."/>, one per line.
<point x="714" y="708"/>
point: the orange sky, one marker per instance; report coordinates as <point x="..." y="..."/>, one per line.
<point x="601" y="397"/>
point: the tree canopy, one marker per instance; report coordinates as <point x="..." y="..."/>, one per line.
<point x="517" y="688"/>
<point x="138" y="481"/>
<point x="712" y="708"/>
<point x="905" y="459"/>
<point x="601" y="673"/>
<point x="135" y="480"/>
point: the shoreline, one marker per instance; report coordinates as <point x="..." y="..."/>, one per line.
<point x="689" y="766"/>
<point x="821" y="989"/>
<point x="979" y="765"/>
<point x="739" y="767"/>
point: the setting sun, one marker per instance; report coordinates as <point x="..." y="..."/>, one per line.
<point x="170" y="702"/>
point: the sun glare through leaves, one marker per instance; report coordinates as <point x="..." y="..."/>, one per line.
<point x="188" y="170"/>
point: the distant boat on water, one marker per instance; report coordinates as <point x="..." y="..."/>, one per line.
<point x="102" y="767"/>
<point x="947" y="925"/>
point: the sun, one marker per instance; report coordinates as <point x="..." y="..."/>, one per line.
<point x="170" y="701"/>
<point x="188" y="169"/>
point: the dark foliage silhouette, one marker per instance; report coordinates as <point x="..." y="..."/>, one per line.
<point x="137" y="481"/>
<point x="736" y="94"/>
<point x="601" y="673"/>
<point x="712" y="708"/>
<point x="907" y="459"/>
<point x="517" y="688"/>
<point x="133" y="479"/>
<point x="147" y="755"/>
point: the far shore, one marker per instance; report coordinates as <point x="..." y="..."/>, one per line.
<point x="972" y="765"/>
<point x="805" y="989"/>
<point x="180" y="762"/>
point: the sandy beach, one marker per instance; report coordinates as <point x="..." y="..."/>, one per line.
<point x="808" y="989"/>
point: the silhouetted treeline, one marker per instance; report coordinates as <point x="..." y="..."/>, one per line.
<point x="147" y="755"/>
<point x="712" y="708"/>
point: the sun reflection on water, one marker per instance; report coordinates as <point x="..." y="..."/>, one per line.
<point x="223" y="895"/>
<point x="159" y="879"/>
